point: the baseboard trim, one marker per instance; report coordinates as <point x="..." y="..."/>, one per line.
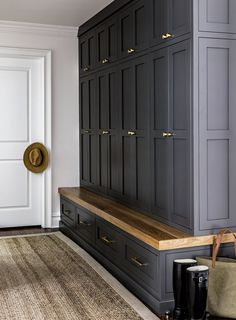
<point x="55" y="221"/>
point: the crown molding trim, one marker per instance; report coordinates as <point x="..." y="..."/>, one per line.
<point x="36" y="28"/>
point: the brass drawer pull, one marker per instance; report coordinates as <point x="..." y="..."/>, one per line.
<point x="105" y="132"/>
<point x="106" y="240"/>
<point x="130" y="51"/>
<point x="86" y="131"/>
<point x="84" y="223"/>
<point x="131" y="133"/>
<point x="85" y="69"/>
<point x="104" y="61"/>
<point x="67" y="211"/>
<point x="167" y="134"/>
<point x="166" y="36"/>
<point x="138" y="263"/>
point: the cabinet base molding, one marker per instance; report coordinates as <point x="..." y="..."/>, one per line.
<point x="115" y="236"/>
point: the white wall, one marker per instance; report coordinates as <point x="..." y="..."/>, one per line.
<point x="65" y="114"/>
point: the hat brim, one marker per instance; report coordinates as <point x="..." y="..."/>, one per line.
<point x="43" y="166"/>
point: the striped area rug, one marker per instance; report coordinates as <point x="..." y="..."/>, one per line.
<point x="41" y="277"/>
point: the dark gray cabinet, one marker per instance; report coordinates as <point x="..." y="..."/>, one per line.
<point x="170" y="19"/>
<point x="170" y="133"/>
<point x="133" y="29"/>
<point x="106" y="41"/>
<point x="135" y="113"/>
<point x="134" y="124"/>
<point x="87" y="52"/>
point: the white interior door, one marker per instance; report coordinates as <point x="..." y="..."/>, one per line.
<point x="21" y="123"/>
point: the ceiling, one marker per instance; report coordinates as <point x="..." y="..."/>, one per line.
<point x="56" y="12"/>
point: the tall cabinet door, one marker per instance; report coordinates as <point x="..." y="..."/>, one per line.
<point x="170" y="133"/>
<point x="108" y="174"/>
<point x="180" y="121"/>
<point x="88" y="130"/>
<point x="170" y="19"/>
<point x="87" y="52"/>
<point x="133" y="29"/>
<point x="133" y="82"/>
<point x="106" y="37"/>
<point x="160" y="161"/>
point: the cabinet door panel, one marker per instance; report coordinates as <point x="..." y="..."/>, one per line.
<point x="180" y="13"/>
<point x="141" y="95"/>
<point x="103" y="162"/>
<point x="101" y="43"/>
<point x="125" y="32"/>
<point x="88" y="105"/>
<point x="103" y="101"/>
<point x="114" y="165"/>
<point x="84" y="105"/>
<point x="140" y="25"/>
<point x="89" y="159"/>
<point x="180" y="211"/>
<point x="170" y="17"/>
<point x="128" y="156"/>
<point x="217" y="16"/>
<point x="180" y="77"/>
<point x="127" y="105"/>
<point x="159" y="20"/>
<point x="160" y="203"/>
<point x="112" y="34"/>
<point x="133" y="28"/>
<point x="180" y="119"/>
<point x="159" y="90"/>
<point x="87" y="45"/>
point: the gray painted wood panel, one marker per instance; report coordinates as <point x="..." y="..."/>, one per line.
<point x="217" y="116"/>
<point x="217" y="16"/>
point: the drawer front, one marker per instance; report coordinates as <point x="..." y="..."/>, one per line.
<point x="109" y="241"/>
<point x="141" y="264"/>
<point x="85" y="224"/>
<point x="67" y="212"/>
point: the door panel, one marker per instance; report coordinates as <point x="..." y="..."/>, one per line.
<point x="21" y="124"/>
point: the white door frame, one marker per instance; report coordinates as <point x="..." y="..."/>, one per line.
<point x="45" y="56"/>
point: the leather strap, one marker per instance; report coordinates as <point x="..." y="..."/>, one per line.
<point x="217" y="242"/>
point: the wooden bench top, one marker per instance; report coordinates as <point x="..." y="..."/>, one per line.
<point x="142" y="227"/>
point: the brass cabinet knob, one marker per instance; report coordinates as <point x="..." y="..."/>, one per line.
<point x="130" y="51"/>
<point x="104" y="61"/>
<point x="166" y="36"/>
<point x="105" y="132"/>
<point x="131" y="133"/>
<point x="86" y="68"/>
<point x="167" y="134"/>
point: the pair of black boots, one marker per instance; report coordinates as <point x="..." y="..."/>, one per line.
<point x="190" y="284"/>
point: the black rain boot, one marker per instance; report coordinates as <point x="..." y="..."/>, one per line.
<point x="197" y="286"/>
<point x="179" y="286"/>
